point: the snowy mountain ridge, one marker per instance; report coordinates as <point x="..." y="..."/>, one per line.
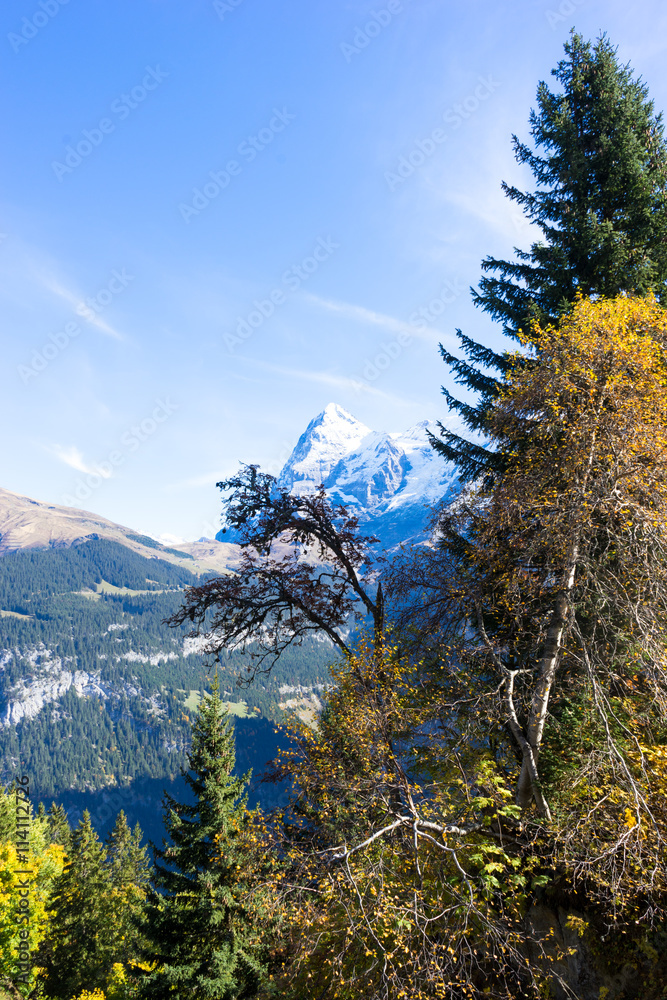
<point x="333" y="434"/>
<point x="386" y="479"/>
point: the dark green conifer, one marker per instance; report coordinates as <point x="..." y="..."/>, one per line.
<point x="82" y="935"/>
<point x="7" y="815"/>
<point x="199" y="926"/>
<point x="129" y="872"/>
<point x="601" y="201"/>
<point x="59" y="828"/>
<point x="600" y="163"/>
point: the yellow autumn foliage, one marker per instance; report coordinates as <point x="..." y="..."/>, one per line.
<point x="409" y="866"/>
<point x="45" y="862"/>
<point x="394" y="916"/>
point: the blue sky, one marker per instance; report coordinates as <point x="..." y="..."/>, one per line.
<point x="205" y="236"/>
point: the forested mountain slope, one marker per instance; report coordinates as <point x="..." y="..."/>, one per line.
<point x="96" y="692"/>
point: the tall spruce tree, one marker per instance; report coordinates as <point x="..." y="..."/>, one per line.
<point x="128" y="861"/>
<point x="600" y="164"/>
<point x="82" y="935"/>
<point x="129" y="872"/>
<point x="199" y="927"/>
<point x="59" y="828"/>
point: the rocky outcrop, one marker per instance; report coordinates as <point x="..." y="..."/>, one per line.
<point x="53" y="677"/>
<point x="27" y="698"/>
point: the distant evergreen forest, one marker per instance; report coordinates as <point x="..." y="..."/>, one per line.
<point x="140" y="728"/>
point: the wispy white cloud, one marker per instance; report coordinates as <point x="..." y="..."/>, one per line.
<point x="31" y="272"/>
<point x="369" y="316"/>
<point x="495" y="211"/>
<point x="73" y="457"/>
<point x="340" y="382"/>
<point x="78" y="305"/>
<point x="196" y="482"/>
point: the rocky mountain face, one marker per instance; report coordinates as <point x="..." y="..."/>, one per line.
<point x="326" y="440"/>
<point x="389" y="480"/>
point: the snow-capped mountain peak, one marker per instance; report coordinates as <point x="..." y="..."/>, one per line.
<point x="332" y="434"/>
<point x="415" y="436"/>
<point x="387" y="479"/>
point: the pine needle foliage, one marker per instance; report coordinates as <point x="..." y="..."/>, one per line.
<point x="600" y="164"/>
<point x="601" y="204"/>
<point x="201" y="927"/>
<point x="82" y="937"/>
<point x="129" y="872"/>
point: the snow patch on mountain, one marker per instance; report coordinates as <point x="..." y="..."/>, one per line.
<point x="428" y="474"/>
<point x="153" y="658"/>
<point x="371" y="473"/>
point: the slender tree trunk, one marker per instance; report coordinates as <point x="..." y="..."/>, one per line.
<point x="548" y="662"/>
<point x="378" y="619"/>
<point x="546" y="672"/>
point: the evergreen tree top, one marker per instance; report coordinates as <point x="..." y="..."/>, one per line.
<point x="127" y="859"/>
<point x="220" y="799"/>
<point x="59" y="828"/>
<point x="199" y="927"/>
<point x="600" y="164"/>
<point x="86" y="855"/>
